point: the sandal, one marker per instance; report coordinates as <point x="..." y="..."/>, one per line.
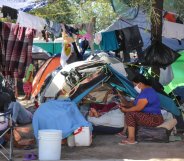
<point x="30" y="156"/>
<point x="121" y="134"/>
<point x="126" y="142"/>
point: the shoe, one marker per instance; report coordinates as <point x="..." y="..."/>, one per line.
<point x="126" y="142"/>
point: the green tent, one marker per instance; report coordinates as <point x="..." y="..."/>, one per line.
<point x="178" y="70"/>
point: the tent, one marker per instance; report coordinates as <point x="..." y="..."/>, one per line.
<point x="39" y="54"/>
<point x="94" y="77"/>
<point x="58" y="82"/>
<point x="49" y="66"/>
<point x="178" y="68"/>
<point x="51" y="47"/>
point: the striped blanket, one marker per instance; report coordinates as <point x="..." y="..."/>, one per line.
<point x="16" y="48"/>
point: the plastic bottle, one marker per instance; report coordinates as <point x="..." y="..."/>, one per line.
<point x="71" y="141"/>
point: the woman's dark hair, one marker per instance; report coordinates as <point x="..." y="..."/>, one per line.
<point x="140" y="78"/>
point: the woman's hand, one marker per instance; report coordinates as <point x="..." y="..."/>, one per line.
<point x="122" y="108"/>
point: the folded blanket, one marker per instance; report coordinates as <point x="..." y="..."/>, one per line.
<point x="114" y="118"/>
<point x="169" y="124"/>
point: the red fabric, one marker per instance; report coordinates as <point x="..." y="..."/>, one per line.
<point x="36" y="104"/>
<point x="170" y="17"/>
<point x="143" y="119"/>
<point x="103" y="108"/>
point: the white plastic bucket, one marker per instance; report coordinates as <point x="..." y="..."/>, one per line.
<point x="49" y="144"/>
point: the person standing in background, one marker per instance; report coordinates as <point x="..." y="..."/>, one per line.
<point x="27" y="81"/>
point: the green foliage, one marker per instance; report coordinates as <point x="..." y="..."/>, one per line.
<point x="81" y="11"/>
<point x="78" y="11"/>
<point x="56" y="10"/>
<point x="7" y="20"/>
<point x="101" y="9"/>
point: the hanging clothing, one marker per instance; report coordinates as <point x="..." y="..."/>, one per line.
<point x="30" y="21"/>
<point x="71" y="30"/>
<point x="109" y="41"/>
<point x="65" y="53"/>
<point x="53" y="27"/>
<point x="16" y="48"/>
<point x="9" y="12"/>
<point x="89" y="29"/>
<point x="130" y="38"/>
<point x="166" y="75"/>
<point x="84" y="44"/>
<point x="98" y="38"/>
<point x="67" y="38"/>
<point x="85" y="37"/>
<point x="120" y="39"/>
<point x="173" y="30"/>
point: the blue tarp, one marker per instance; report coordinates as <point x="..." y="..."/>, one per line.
<point x="169" y="105"/>
<point x="59" y="115"/>
<point x="34" y="6"/>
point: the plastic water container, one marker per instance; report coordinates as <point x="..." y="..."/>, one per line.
<point x="71" y="141"/>
<point x="49" y="145"/>
<point x="82" y="136"/>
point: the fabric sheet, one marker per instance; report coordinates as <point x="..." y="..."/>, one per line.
<point x="109" y="41"/>
<point x="3" y="125"/>
<point x="53" y="27"/>
<point x="60" y="115"/>
<point x="173" y="30"/>
<point x="166" y="75"/>
<point x="16" y="48"/>
<point x="9" y="12"/>
<point x="114" y="118"/>
<point x="30" y="21"/>
<point x="169" y="105"/>
<point x="65" y="53"/>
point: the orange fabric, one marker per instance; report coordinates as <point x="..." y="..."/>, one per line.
<point x="49" y="66"/>
<point x="170" y="17"/>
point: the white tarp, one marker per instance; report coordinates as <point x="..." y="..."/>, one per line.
<point x="23" y="5"/>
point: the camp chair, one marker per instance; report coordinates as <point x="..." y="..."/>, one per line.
<point x="7" y="152"/>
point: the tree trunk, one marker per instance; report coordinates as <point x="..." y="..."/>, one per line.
<point x="156" y="26"/>
<point x="156" y="20"/>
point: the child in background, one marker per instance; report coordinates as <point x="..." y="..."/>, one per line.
<point x="27" y="80"/>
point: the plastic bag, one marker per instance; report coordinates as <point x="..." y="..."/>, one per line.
<point x="166" y="75"/>
<point x="152" y="134"/>
<point x="159" y="55"/>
